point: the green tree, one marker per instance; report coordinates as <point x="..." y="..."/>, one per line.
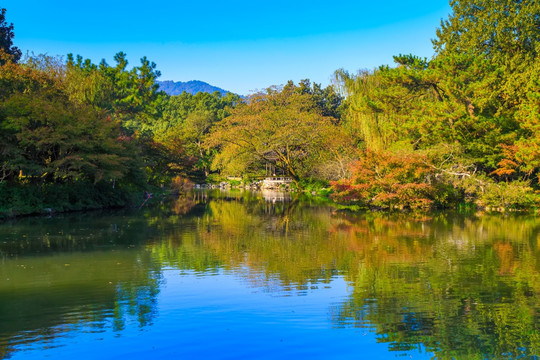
<point x="503" y="32"/>
<point x="49" y="138"/>
<point x="328" y="100"/>
<point x="85" y="84"/>
<point x="471" y="109"/>
<point x="187" y="119"/>
<point x="503" y="39"/>
<point x="129" y="95"/>
<point x="6" y="39"/>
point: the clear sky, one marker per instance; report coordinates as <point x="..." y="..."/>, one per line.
<point x="240" y="46"/>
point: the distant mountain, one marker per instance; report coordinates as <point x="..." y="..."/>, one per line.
<point x="192" y="87"/>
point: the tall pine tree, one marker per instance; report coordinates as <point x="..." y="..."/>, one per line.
<point x="6" y="39"/>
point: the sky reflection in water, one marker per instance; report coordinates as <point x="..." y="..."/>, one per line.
<point x="237" y="276"/>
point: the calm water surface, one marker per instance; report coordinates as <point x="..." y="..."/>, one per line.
<point x="242" y="275"/>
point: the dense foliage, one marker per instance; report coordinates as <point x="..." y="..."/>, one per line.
<point x="292" y="127"/>
<point x="75" y="125"/>
<point x="471" y="111"/>
<point x="462" y="127"/>
<point x="6" y="39"/>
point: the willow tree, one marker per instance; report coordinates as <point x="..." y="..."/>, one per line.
<point x="476" y="91"/>
<point x="373" y="127"/>
<point x="283" y="127"/>
<point x="397" y="107"/>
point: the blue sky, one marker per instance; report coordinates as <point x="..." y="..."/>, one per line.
<point x="240" y="46"/>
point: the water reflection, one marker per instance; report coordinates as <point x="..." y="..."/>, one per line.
<point x="460" y="287"/>
<point x="60" y="274"/>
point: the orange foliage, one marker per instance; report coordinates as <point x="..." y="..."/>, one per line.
<point x="387" y="180"/>
<point x="510" y="163"/>
<point x="181" y="184"/>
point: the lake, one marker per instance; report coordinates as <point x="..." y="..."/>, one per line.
<point x="241" y="275"/>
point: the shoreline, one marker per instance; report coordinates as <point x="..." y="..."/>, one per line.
<point x="134" y="201"/>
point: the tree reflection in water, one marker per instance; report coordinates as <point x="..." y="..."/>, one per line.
<point x="461" y="287"/>
<point x="74" y="272"/>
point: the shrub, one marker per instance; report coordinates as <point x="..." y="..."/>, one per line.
<point x="389" y="181"/>
<point x="489" y="194"/>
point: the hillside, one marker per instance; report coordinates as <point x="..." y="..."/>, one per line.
<point x="192" y="87"/>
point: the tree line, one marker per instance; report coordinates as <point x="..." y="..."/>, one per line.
<point x="460" y="128"/>
<point x="463" y="125"/>
<point x="77" y="135"/>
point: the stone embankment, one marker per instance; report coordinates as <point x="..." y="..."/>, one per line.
<point x="274" y="183"/>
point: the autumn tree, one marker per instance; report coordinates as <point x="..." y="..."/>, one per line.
<point x="47" y="138"/>
<point x="387" y="180"/>
<point x="282" y="126"/>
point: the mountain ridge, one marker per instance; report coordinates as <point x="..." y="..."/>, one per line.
<point x="192" y="87"/>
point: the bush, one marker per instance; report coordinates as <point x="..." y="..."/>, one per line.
<point x="388" y="181"/>
<point x="489" y="194"/>
<point x="311" y="185"/>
